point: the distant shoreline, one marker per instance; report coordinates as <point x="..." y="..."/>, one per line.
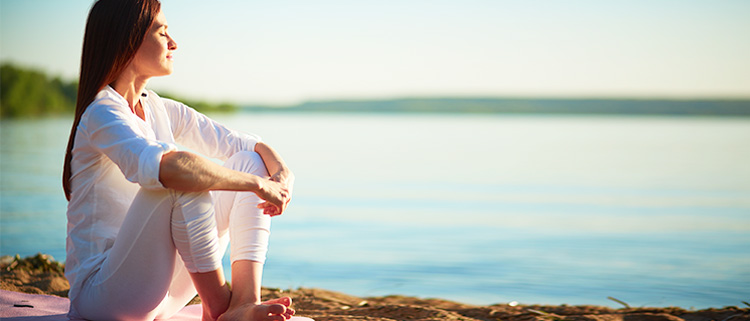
<point x="30" y="93"/>
<point x="543" y="106"/>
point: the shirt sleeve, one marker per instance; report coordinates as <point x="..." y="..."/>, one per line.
<point x="204" y="135"/>
<point x="116" y="135"/>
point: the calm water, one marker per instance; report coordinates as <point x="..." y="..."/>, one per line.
<point x="480" y="209"/>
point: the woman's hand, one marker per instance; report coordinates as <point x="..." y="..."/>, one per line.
<point x="276" y="196"/>
<point x="286" y="179"/>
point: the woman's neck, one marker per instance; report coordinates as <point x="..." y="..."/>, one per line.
<point x="130" y="87"/>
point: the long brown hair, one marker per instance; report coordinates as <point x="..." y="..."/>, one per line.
<point x="115" y="29"/>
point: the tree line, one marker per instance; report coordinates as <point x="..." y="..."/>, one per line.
<point x="31" y="93"/>
<point x="28" y="92"/>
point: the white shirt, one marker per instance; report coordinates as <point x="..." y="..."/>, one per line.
<point x="115" y="153"/>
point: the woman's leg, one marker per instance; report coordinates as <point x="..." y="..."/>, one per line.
<point x="238" y="215"/>
<point x="198" y="243"/>
<point x="143" y="277"/>
<point x="249" y="231"/>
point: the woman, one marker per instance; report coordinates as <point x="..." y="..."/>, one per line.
<point x="147" y="224"/>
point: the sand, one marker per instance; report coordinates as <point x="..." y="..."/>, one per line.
<point x="42" y="275"/>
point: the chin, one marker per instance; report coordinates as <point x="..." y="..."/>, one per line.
<point x="166" y="72"/>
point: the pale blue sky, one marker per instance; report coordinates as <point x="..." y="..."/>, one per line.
<point x="282" y="52"/>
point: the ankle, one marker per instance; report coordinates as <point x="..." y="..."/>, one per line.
<point x="218" y="305"/>
<point x="243" y="299"/>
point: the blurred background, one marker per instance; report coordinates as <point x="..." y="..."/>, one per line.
<point x="480" y="151"/>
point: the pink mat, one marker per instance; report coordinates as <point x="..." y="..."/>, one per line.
<point x="24" y="306"/>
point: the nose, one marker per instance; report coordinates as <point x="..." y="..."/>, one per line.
<point x="172" y="45"/>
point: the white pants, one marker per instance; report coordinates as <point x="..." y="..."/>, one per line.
<point x="167" y="234"/>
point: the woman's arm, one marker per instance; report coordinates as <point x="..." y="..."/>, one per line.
<point x="204" y="135"/>
<point x="274" y="163"/>
<point x="279" y="173"/>
<point x="185" y="171"/>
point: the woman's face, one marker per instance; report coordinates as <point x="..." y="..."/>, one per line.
<point x="154" y="57"/>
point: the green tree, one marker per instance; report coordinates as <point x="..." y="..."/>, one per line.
<point x="30" y="93"/>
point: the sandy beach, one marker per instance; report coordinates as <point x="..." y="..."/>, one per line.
<point x="41" y="275"/>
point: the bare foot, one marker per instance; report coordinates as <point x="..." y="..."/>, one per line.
<point x="271" y="310"/>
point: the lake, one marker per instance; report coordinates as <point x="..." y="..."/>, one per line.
<point x="654" y="211"/>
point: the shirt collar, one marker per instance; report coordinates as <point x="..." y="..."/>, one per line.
<point x="110" y="92"/>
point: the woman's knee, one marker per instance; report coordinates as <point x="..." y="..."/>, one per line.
<point x="248" y="162"/>
<point x="194" y="232"/>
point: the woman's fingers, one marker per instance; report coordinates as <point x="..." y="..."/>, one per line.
<point x="287" y="181"/>
<point x="270" y="209"/>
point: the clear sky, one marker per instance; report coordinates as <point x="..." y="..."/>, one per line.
<point x="283" y="52"/>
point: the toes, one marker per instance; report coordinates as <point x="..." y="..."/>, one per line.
<point x="276" y="309"/>
<point x="285" y="301"/>
<point x="289" y="313"/>
<point x="272" y="309"/>
<point x="276" y="318"/>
